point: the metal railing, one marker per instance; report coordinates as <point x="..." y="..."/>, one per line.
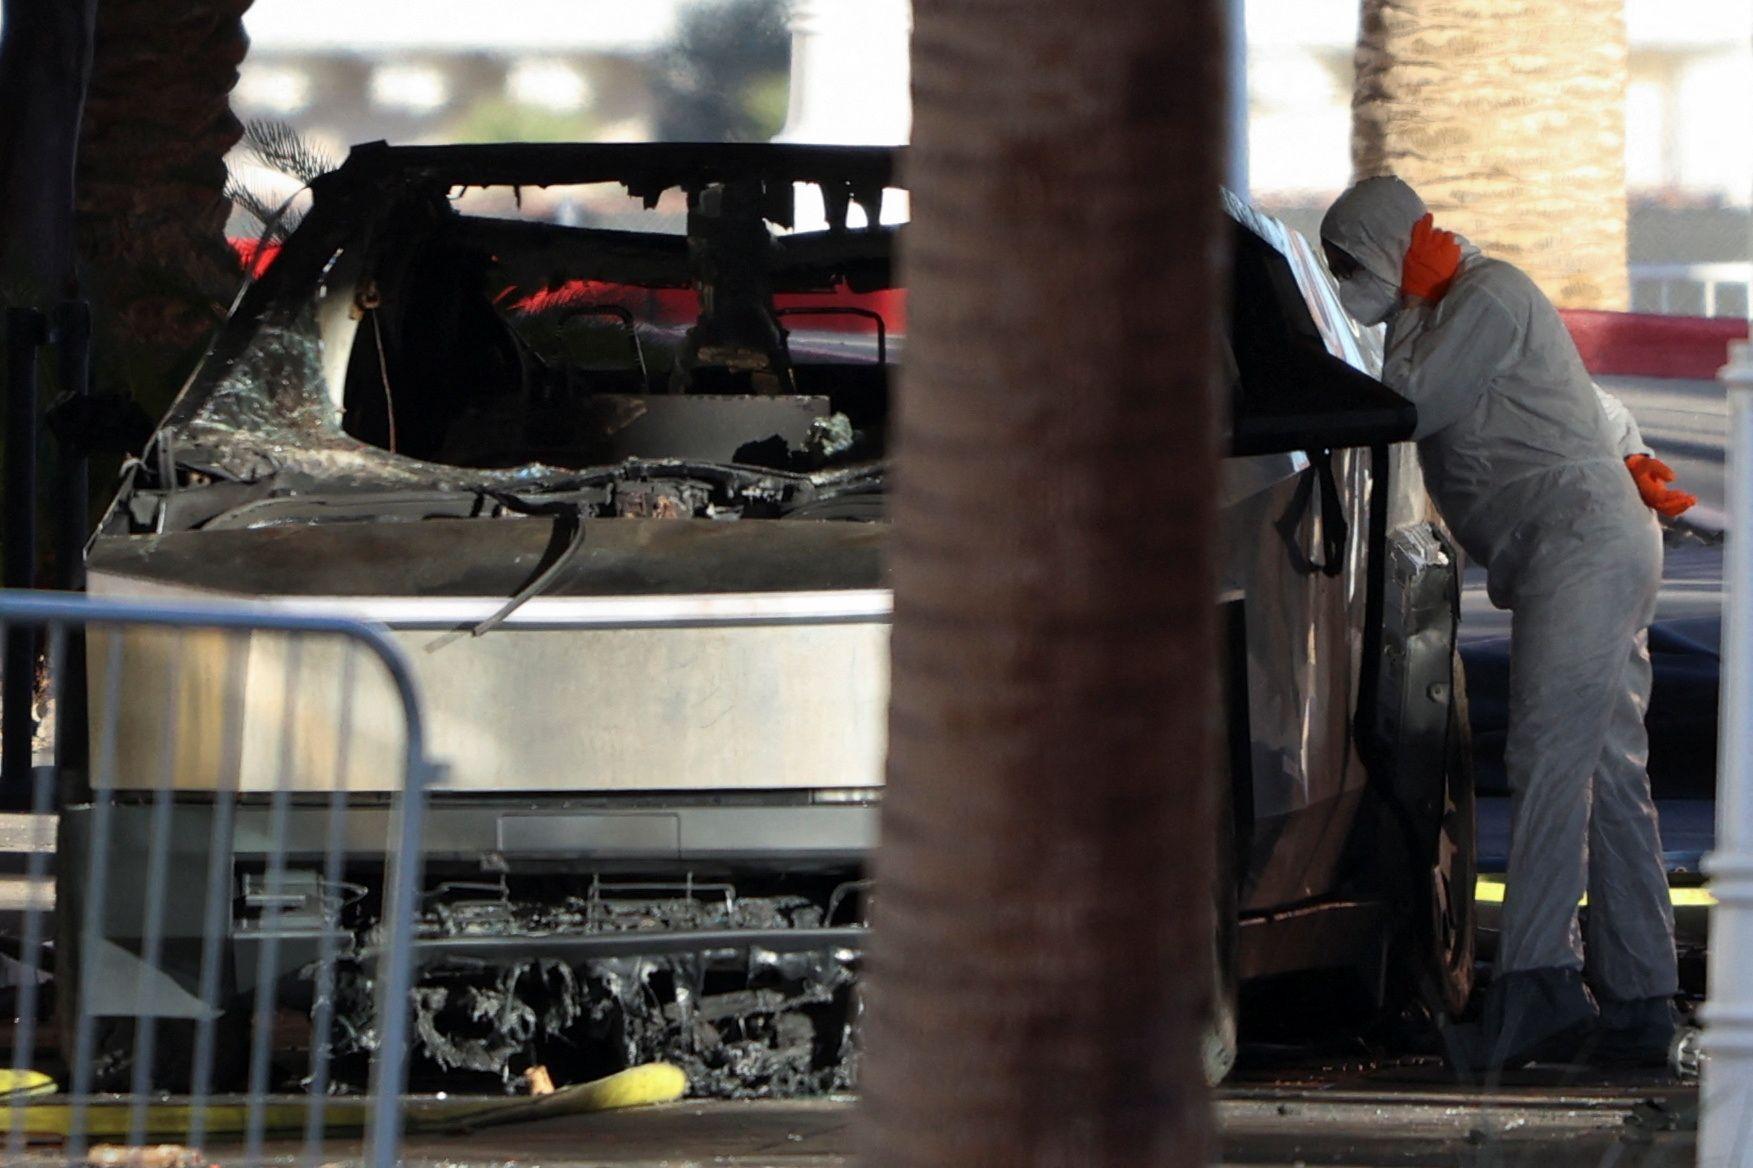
<point x="187" y="914"/>
<point x="1677" y="288"/>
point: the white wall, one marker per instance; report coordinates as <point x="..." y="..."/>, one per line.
<point x="850" y="72"/>
<point x="1712" y="130"/>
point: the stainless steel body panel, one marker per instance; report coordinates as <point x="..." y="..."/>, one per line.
<point x="1303" y="655"/>
<point x="702" y="693"/>
<point x="470" y="831"/>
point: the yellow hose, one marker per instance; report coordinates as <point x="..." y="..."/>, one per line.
<point x="45" y="1116"/>
<point x="14" y="1084"/>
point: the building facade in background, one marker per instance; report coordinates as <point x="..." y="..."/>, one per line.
<point x="343" y="71"/>
<point x="1688" y="157"/>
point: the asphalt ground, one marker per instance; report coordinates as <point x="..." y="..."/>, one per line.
<point x="1552" y="1127"/>
<point x="1396" y="1114"/>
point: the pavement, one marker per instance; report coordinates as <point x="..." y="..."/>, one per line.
<point x="1403" y="1114"/>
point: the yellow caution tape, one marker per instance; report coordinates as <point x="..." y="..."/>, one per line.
<point x="1490" y="890"/>
<point x="111" y="1117"/>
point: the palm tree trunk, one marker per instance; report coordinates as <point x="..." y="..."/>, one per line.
<point x="152" y="206"/>
<point x="1044" y="872"/>
<point x="1508" y="116"/>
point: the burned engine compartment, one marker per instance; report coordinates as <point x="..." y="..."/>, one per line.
<point x="741" y="1019"/>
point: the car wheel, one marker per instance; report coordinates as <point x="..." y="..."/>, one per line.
<point x="1431" y="947"/>
<point x="1432" y="970"/>
<point x="1448" y="935"/>
<point x="1217" y="1049"/>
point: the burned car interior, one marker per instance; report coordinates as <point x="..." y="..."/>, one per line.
<point x="509" y="345"/>
<point x="737" y="369"/>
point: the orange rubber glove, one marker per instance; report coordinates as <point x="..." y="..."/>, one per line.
<point x="1652" y="477"/>
<point x="1430" y="262"/>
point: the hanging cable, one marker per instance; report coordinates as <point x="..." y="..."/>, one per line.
<point x="369" y="300"/>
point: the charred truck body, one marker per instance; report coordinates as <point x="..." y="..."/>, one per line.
<point x="620" y="494"/>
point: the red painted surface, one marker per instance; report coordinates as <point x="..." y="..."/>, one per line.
<point x="1641" y="345"/>
<point x="253" y="256"/>
<point x="680" y="306"/>
<point x="665" y="306"/>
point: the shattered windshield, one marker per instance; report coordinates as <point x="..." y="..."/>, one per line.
<point x="457" y="341"/>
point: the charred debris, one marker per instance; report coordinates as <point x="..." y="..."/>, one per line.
<point x="743" y="1020"/>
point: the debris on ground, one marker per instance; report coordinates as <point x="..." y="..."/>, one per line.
<point x="537" y="1081"/>
<point x="1663" y="1115"/>
<point x="150" y="1156"/>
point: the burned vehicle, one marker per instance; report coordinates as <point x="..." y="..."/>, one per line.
<point x="619" y="493"/>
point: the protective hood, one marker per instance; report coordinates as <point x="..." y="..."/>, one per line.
<point x="1369" y="300"/>
<point x="1372" y="223"/>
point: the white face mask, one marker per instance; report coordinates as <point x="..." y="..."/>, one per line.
<point x="1368" y="298"/>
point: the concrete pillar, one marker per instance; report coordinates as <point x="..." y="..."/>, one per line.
<point x="850" y="76"/>
<point x="1725" y="1097"/>
<point x="1726" y="1094"/>
<point x="849" y="73"/>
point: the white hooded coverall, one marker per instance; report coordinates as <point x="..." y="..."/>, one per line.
<point x="1524" y="456"/>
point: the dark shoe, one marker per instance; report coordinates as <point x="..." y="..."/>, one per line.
<point x="1531" y="1015"/>
<point x="1635" y="1033"/>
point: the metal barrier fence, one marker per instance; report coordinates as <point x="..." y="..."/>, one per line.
<point x="1713" y="289"/>
<point x="209" y="881"/>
